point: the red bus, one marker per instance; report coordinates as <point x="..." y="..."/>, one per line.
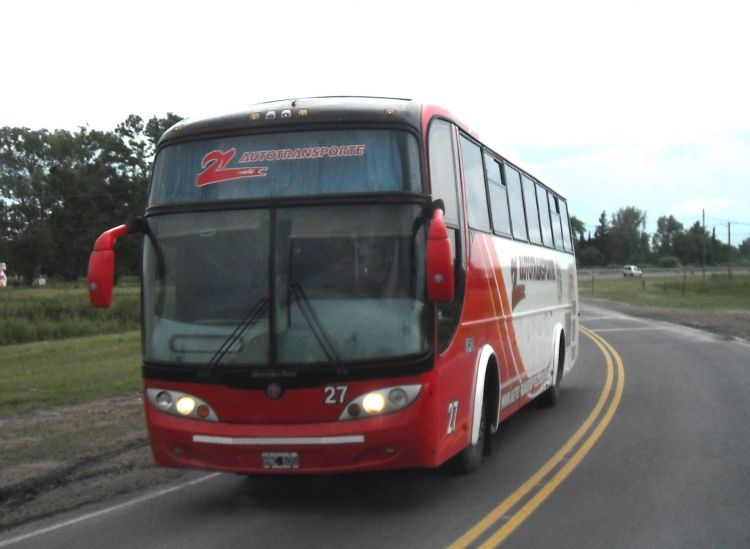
<point x="343" y="284"/>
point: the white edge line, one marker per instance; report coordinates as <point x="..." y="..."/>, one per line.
<point x="615" y="317"/>
<point x="136" y="501"/>
<point x="634" y="329"/>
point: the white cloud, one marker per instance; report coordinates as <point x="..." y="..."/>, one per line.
<point x="683" y="178"/>
<point x="719" y="207"/>
<point x="629" y="102"/>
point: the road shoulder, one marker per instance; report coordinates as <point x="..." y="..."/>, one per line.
<point x="730" y="324"/>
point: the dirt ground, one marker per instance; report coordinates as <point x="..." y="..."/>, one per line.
<point x="61" y="458"/>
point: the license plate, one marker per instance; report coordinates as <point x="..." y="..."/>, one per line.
<point x="280" y="460"/>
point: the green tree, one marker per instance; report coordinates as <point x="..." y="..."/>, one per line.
<point x="59" y="190"/>
<point x="667" y="230"/>
<point x="137" y="141"/>
<point x="24" y="158"/>
<point x="744" y="248"/>
<point x="629" y="242"/>
<point x="578" y="227"/>
<point x="688" y="246"/>
<point x="602" y="237"/>
<point x="590" y="257"/>
<point x="80" y="185"/>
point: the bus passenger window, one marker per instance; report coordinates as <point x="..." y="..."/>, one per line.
<point x="476" y="193"/>
<point x="554" y="206"/>
<point x="532" y="215"/>
<point x="515" y="200"/>
<point x="498" y="197"/>
<point x="541" y="198"/>
<point x="567" y="242"/>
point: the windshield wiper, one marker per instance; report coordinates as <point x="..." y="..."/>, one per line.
<point x="316" y="327"/>
<point x="258" y="310"/>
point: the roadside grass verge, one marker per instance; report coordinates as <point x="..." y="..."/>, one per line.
<point x="64" y="311"/>
<point x="47" y="373"/>
<point x="691" y="292"/>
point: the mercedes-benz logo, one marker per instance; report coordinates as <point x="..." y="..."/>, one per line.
<point x="274" y="391"/>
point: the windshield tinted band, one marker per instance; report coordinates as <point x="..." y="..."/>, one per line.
<point x="287" y="164"/>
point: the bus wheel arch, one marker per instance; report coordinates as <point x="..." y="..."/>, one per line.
<point x="485" y="413"/>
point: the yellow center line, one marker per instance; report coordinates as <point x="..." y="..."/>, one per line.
<point x="483" y="525"/>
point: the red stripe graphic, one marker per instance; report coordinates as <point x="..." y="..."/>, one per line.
<point x="215" y="170"/>
<point x="505" y="329"/>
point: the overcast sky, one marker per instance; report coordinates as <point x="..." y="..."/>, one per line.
<point x="624" y="103"/>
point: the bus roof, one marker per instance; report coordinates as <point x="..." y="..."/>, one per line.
<point x="302" y="111"/>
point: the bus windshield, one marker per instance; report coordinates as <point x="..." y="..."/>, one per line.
<point x="288" y="286"/>
<point x="287" y="164"/>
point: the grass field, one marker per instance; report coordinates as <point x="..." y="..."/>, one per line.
<point x="62" y="310"/>
<point x="692" y="292"/>
<point x="73" y="365"/>
<point x="46" y="373"/>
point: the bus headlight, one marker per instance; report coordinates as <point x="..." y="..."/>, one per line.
<point x="398" y="397"/>
<point x="373" y="403"/>
<point x="185" y="405"/>
<point x="180" y="404"/>
<point x="381" y="402"/>
<point x="163" y="400"/>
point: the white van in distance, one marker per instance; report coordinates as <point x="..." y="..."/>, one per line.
<point x="631" y="270"/>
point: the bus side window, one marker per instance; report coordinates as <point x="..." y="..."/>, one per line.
<point x="567" y="242"/>
<point x="498" y="197"/>
<point x="515" y="200"/>
<point x="541" y="198"/>
<point x="476" y="193"/>
<point x="554" y="206"/>
<point x="532" y="214"/>
<point x="442" y="169"/>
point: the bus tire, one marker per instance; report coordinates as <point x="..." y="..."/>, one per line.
<point x="468" y="460"/>
<point x="551" y="396"/>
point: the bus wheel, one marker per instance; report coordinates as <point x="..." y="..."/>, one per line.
<point x="468" y="460"/>
<point x="551" y="396"/>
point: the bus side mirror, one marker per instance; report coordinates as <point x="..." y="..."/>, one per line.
<point x="102" y="267"/>
<point x="440" y="271"/>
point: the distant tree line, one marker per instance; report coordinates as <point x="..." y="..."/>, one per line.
<point x="60" y="190"/>
<point x="622" y="239"/>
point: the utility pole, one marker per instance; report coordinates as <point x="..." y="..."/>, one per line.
<point x="703" y="238"/>
<point x="729" y="248"/>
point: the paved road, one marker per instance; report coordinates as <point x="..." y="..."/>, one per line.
<point x="693" y="272"/>
<point x="648" y="447"/>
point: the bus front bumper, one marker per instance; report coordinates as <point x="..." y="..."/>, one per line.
<point x="391" y="441"/>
